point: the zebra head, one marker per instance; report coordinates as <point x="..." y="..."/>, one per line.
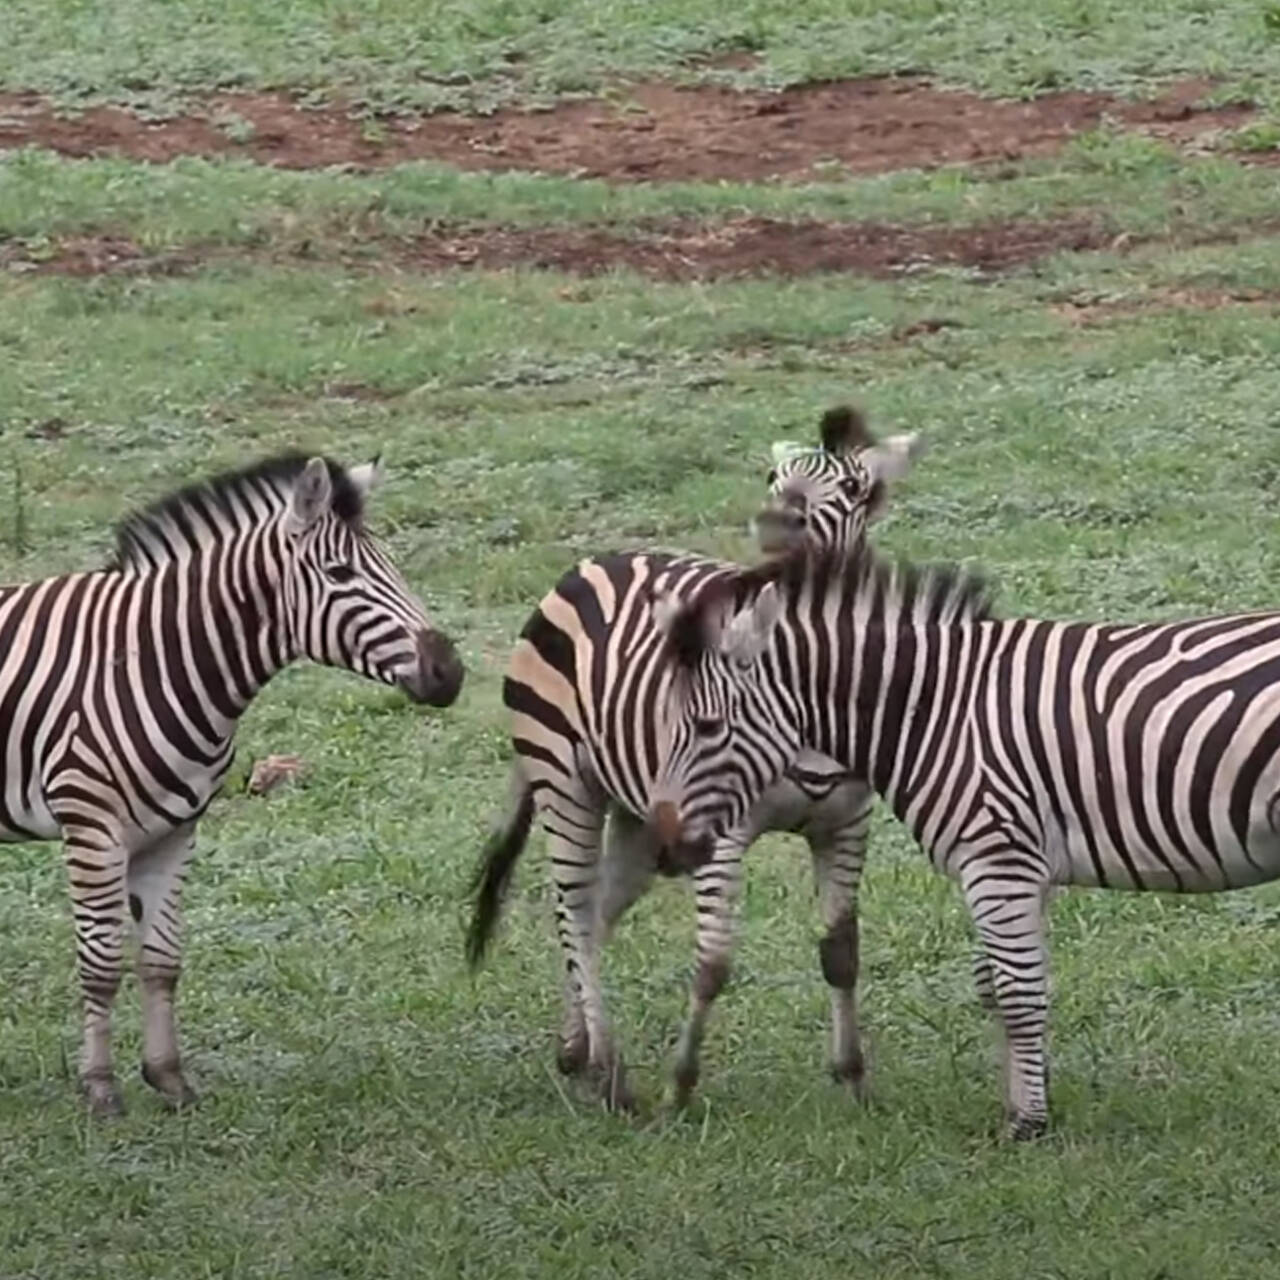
<point x="349" y="605"/>
<point x="826" y="494"/>
<point x="731" y="730"/>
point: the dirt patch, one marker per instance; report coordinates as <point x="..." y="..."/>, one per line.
<point x="1092" y="312"/>
<point x="756" y="247"/>
<point x="676" y="251"/>
<point x="663" y="251"/>
<point x="642" y="132"/>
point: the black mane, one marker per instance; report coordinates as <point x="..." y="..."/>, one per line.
<point x="927" y="592"/>
<point x="135" y="533"/>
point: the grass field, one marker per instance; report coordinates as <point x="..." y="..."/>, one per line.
<point x="1104" y="434"/>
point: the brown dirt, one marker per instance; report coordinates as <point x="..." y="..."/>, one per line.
<point x="1089" y="313"/>
<point x="675" y="250"/>
<point x="641" y="132"/>
<point x="665" y="251"/>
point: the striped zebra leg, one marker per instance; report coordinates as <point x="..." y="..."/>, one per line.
<point x="628" y="867"/>
<point x="96" y="871"/>
<point x="155" y="879"/>
<point x="1008" y="912"/>
<point x="717" y="889"/>
<point x="574" y="831"/>
<point x="838" y="858"/>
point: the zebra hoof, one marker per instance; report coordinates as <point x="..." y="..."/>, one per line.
<point x="610" y="1080"/>
<point x="571" y="1056"/>
<point x="103" y="1095"/>
<point x="169" y="1082"/>
<point x="853" y="1076"/>
<point x="684" y="1080"/>
<point x="1027" y="1128"/>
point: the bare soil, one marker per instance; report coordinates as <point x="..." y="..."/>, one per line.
<point x="640" y="132"/>
<point x="675" y="250"/>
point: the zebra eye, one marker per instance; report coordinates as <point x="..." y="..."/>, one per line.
<point x="707" y="726"/>
<point x="772" y="478"/>
<point x="851" y="487"/>
<point x="339" y="573"/>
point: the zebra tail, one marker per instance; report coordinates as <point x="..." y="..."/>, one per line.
<point x="493" y="871"/>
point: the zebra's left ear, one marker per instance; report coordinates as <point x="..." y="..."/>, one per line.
<point x="368" y="476"/>
<point x="748" y="635"/>
<point x="892" y="458"/>
<point x="312" y="493"/>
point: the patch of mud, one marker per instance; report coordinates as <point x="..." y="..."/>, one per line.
<point x="641" y="132"/>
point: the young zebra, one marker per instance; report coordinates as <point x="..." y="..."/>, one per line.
<point x="585" y="686"/>
<point x="120" y="691"/>
<point x="1022" y="754"/>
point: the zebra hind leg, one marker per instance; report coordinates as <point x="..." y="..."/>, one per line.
<point x="155" y="879"/>
<point x="717" y="887"/>
<point x="97" y="886"/>
<point x="837" y="868"/>
<point x="1012" y="978"/>
<point x="574" y="849"/>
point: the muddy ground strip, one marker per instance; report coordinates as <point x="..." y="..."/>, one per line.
<point x="678" y="250"/>
<point x="641" y="132"/>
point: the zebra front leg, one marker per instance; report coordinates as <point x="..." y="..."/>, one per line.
<point x="575" y="856"/>
<point x="628" y="867"/>
<point x="155" y="879"/>
<point x="1009" y="915"/>
<point x="96" y="871"/>
<point x="717" y="888"/>
<point x="838" y="859"/>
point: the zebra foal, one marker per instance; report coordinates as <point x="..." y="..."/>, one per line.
<point x="1021" y="753"/>
<point x="121" y="689"/>
<point x="586" y="687"/>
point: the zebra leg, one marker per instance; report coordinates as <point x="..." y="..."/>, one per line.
<point x="838" y="859"/>
<point x="155" y="879"/>
<point x="574" y="848"/>
<point x="1014" y="979"/>
<point x="96" y="870"/>
<point x="717" y="888"/>
<point x="628" y="867"/>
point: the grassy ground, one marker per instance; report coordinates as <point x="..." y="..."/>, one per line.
<point x="152" y="52"/>
<point x="372" y="1111"/>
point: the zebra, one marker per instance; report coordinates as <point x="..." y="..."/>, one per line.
<point x="121" y="689"/>
<point x="584" y="687"/>
<point x="1022" y="754"/>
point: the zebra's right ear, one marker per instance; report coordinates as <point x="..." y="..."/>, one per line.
<point x="312" y="493"/>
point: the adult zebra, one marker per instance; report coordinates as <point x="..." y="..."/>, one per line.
<point x="1022" y="754"/>
<point x="120" y="691"/>
<point x="585" y="687"/>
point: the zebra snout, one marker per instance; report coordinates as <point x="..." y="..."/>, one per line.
<point x="679" y="854"/>
<point x="666" y="822"/>
<point x="437" y="676"/>
<point x="780" y="528"/>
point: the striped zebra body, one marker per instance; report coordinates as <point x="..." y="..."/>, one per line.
<point x="587" y="686"/>
<point x="121" y="689"/>
<point x="1022" y="754"/>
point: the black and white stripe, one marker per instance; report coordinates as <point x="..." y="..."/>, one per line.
<point x="121" y="689"/>
<point x="587" y="687"/>
<point x="1021" y="754"/>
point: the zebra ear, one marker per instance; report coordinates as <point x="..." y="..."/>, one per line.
<point x="748" y="635"/>
<point x="887" y="463"/>
<point x="367" y="477"/>
<point x="312" y="493"/>
<point x="843" y="429"/>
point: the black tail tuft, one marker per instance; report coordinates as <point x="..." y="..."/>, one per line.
<point x="493" y="871"/>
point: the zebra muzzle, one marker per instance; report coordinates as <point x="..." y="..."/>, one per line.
<point x="666" y="822"/>
<point x="436" y="678"/>
<point x="678" y="855"/>
<point x="780" y="529"/>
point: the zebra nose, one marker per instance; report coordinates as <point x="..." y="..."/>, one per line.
<point x="666" y="821"/>
<point x="779" y="528"/>
<point x="439" y="675"/>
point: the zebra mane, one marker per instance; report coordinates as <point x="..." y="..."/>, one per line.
<point x="869" y="585"/>
<point x="137" y="542"/>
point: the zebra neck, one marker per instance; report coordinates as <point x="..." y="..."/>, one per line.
<point x="897" y="699"/>
<point x="219" y="625"/>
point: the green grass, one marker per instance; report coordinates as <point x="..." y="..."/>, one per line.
<point x="372" y="1111"/>
<point x="404" y="54"/>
